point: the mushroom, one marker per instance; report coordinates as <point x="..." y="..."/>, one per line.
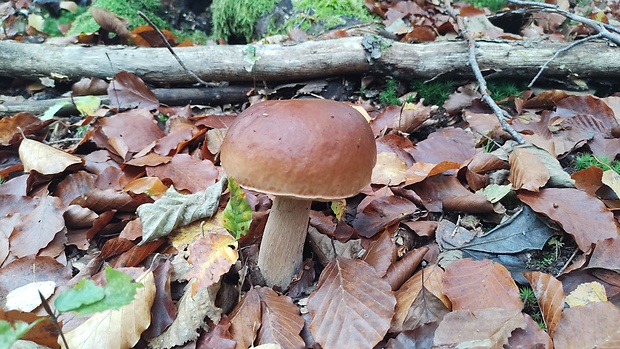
<point x="298" y="151"/>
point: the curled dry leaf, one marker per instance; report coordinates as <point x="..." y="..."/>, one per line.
<point x="550" y="296"/>
<point x="45" y="159"/>
<point x="381" y="253"/>
<point x="351" y="294"/>
<point x="397" y="273"/>
<point x="111" y="22"/>
<point x="382" y="212"/>
<point x="472" y="285"/>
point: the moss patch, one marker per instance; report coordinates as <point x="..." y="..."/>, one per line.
<point x="236" y="18"/>
<point x="320" y="15"/>
<point x="127" y="9"/>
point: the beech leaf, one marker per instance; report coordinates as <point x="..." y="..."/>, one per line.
<point x="351" y="294"/>
<point x="174" y="210"/>
<point x="211" y="257"/>
<point x="45" y="159"/>
<point x="550" y="296"/>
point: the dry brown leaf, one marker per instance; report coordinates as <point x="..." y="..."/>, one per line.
<point x="245" y="319"/>
<point x="398" y="272"/>
<point x="527" y="171"/>
<point x="589" y="179"/>
<point x="129" y="91"/>
<point x="281" y="321"/>
<point x="117" y="329"/>
<point x="37" y="228"/>
<point x="352" y="295"/>
<point x="382" y="212"/>
<point x="408" y="292"/>
<point x="532" y="336"/>
<point x="550" y="296"/>
<point x="389" y="169"/>
<point x="45" y="159"/>
<point x="420" y="170"/>
<point x="594" y="325"/>
<point x="446" y="144"/>
<point x="473" y="285"/>
<point x="574" y="210"/>
<point x="416" y="305"/>
<point x="111" y="22"/>
<point x="606" y="254"/>
<point x="482" y="328"/>
<point x="381" y="253"/>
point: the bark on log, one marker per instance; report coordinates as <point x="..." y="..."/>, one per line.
<point x="308" y="60"/>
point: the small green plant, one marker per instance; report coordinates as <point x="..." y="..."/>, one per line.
<point x="586" y="160"/>
<point x="530" y="305"/>
<point x="84" y="298"/>
<point x="493" y="5"/>
<point x="162" y="118"/>
<point x="504" y="89"/>
<point x="527" y="297"/>
<point x="389" y="95"/>
<point x="433" y="92"/>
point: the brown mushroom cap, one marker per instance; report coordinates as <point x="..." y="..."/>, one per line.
<point x="311" y="149"/>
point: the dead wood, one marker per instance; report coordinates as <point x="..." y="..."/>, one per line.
<point x="308" y="60"/>
<point x="170" y="96"/>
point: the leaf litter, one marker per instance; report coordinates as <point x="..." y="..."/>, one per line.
<point x="436" y="251"/>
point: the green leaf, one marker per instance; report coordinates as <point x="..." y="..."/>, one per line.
<point x="87" y="105"/>
<point x="119" y="291"/>
<point x="495" y="192"/>
<point x="174" y="210"/>
<point x="10" y="333"/>
<point x="84" y="293"/>
<point x="238" y="213"/>
<point x="51" y="111"/>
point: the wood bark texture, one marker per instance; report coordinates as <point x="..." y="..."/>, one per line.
<point x="307" y="60"/>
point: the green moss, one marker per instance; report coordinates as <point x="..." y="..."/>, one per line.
<point x="586" y="160"/>
<point x="126" y="9"/>
<point x="327" y="14"/>
<point x="504" y="89"/>
<point x="493" y="5"/>
<point x="236" y="18"/>
<point x="389" y="95"/>
<point x="433" y="92"/>
<point x="66" y="17"/>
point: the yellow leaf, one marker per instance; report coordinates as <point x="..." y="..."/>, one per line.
<point x="585" y="293"/>
<point x="211" y="257"/>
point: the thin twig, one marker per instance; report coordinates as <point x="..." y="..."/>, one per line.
<point x="597" y="26"/>
<point x="163" y="37"/>
<point x="568" y="262"/>
<point x="563" y="49"/>
<point x="482" y="84"/>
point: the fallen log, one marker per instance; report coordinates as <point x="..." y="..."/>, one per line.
<point x="307" y="60"/>
<point x="172" y="96"/>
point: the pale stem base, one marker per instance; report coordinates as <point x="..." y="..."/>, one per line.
<point x="281" y="249"/>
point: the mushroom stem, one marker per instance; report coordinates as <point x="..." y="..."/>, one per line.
<point x="281" y="249"/>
